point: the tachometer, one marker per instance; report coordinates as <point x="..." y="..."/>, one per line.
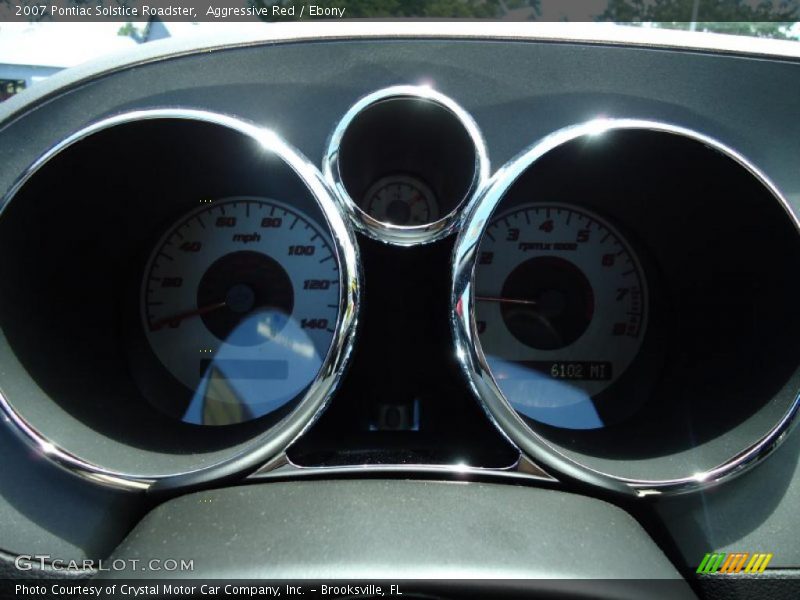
<point x="560" y="308"/>
<point x="239" y="304"/>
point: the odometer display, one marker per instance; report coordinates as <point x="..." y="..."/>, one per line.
<point x="240" y="301"/>
<point x="560" y="309"/>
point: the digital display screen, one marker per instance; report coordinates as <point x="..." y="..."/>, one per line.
<point x="585" y="370"/>
<point x="247" y="369"/>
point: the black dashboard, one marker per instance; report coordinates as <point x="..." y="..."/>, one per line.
<point x="415" y="295"/>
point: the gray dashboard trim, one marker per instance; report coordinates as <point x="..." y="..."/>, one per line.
<point x="579" y="33"/>
<point x="371" y="529"/>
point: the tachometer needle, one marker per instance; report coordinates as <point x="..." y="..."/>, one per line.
<point x="175" y="320"/>
<point x="506" y="300"/>
<point x="536" y="314"/>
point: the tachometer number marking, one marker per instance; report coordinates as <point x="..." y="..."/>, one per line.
<point x="559" y="293"/>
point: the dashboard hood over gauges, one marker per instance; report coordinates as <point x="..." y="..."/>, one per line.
<point x="280" y="268"/>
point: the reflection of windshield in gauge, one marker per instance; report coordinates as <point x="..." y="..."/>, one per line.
<point x="240" y="302"/>
<point x="560" y="310"/>
<point x="401" y="200"/>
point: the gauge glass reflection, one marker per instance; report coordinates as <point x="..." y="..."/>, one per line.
<point x="239" y="305"/>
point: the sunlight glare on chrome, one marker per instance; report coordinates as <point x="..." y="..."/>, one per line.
<point x="598" y="126"/>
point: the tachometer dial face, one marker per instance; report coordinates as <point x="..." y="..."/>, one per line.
<point x="560" y="309"/>
<point x="239" y="303"/>
<point x="401" y="200"/>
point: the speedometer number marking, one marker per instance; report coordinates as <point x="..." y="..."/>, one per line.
<point x="250" y="290"/>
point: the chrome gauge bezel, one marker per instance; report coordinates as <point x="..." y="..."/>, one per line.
<point x="475" y="366"/>
<point x="405" y="235"/>
<point x="267" y="444"/>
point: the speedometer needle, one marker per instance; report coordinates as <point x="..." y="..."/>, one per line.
<point x="175" y="320"/>
<point x="506" y="300"/>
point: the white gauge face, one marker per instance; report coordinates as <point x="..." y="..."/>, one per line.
<point x="240" y="302"/>
<point x="560" y="309"/>
<point x="401" y="200"/>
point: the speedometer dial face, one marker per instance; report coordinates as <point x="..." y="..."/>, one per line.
<point x="239" y="303"/>
<point x="560" y="309"/>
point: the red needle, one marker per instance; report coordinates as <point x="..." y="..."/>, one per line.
<point x="540" y="317"/>
<point x="175" y="320"/>
<point x="506" y="300"/>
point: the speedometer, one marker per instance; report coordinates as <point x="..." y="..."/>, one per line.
<point x="239" y="305"/>
<point x="560" y="309"/>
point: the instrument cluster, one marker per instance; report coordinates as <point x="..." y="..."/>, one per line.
<point x="614" y="299"/>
